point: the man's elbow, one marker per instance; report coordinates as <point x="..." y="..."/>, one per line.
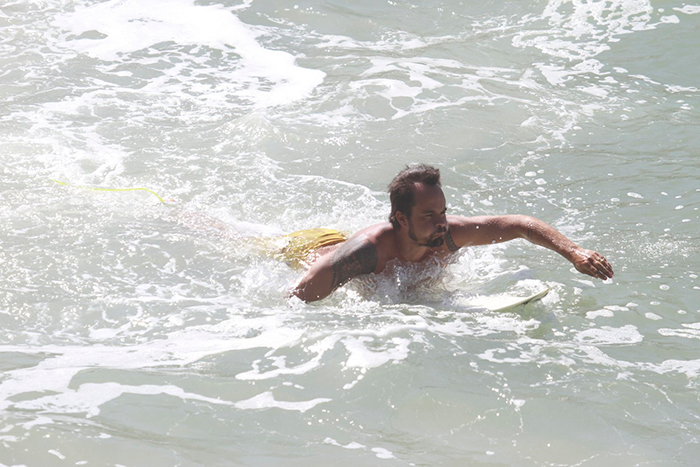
<point x="305" y="295"/>
<point x="525" y="226"/>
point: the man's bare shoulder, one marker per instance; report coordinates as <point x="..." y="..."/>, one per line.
<point x="382" y="237"/>
<point x="377" y="233"/>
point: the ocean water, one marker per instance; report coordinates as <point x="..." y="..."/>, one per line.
<point x="140" y="333"/>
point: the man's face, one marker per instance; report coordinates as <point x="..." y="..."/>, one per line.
<point x="427" y="223"/>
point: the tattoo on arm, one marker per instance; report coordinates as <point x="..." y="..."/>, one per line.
<point x="450" y="242"/>
<point x="354" y="257"/>
<point x="528" y="234"/>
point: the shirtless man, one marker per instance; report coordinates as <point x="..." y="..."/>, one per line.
<point x="419" y="228"/>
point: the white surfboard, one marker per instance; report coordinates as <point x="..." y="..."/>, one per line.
<point x="501" y="302"/>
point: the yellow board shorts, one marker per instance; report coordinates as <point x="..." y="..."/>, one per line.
<point x="296" y="247"/>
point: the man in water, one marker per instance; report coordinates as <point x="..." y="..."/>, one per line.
<point x="419" y="229"/>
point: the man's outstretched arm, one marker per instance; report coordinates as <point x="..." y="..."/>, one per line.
<point x="355" y="257"/>
<point x="485" y="230"/>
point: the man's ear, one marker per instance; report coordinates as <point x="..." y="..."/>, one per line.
<point x="402" y="219"/>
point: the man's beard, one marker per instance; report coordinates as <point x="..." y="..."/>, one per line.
<point x="430" y="242"/>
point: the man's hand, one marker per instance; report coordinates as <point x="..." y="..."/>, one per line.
<point x="592" y="263"/>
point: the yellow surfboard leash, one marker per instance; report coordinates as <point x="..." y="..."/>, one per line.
<point x="110" y="189"/>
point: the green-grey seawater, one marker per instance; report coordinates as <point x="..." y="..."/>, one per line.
<point x="136" y="333"/>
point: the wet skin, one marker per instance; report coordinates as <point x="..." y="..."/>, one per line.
<point x="428" y="231"/>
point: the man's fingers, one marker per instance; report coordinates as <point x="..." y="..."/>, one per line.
<point x="604" y="269"/>
<point x="594" y="264"/>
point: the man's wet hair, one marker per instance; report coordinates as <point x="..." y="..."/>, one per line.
<point x="402" y="188"/>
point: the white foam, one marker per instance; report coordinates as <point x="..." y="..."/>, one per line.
<point x="57" y="454"/>
<point x="600" y="22"/>
<point x="503" y="323"/>
<point x="383" y="453"/>
<point x="689" y="9"/>
<point x="361" y="356"/>
<point x="255" y="374"/>
<point x="421" y="83"/>
<point x="352" y="445"/>
<point x="40" y="420"/>
<point x="266" y="401"/>
<point x="691" y="368"/>
<point x="599" y="314"/>
<point x="91" y="161"/>
<point x="359" y="345"/>
<point x="616" y="308"/>
<point x="610" y="336"/>
<point x="184" y="347"/>
<point x="90" y="396"/>
<point x="670" y="19"/>
<point x="691" y="331"/>
<point x="129" y="26"/>
<point x="498" y="356"/>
